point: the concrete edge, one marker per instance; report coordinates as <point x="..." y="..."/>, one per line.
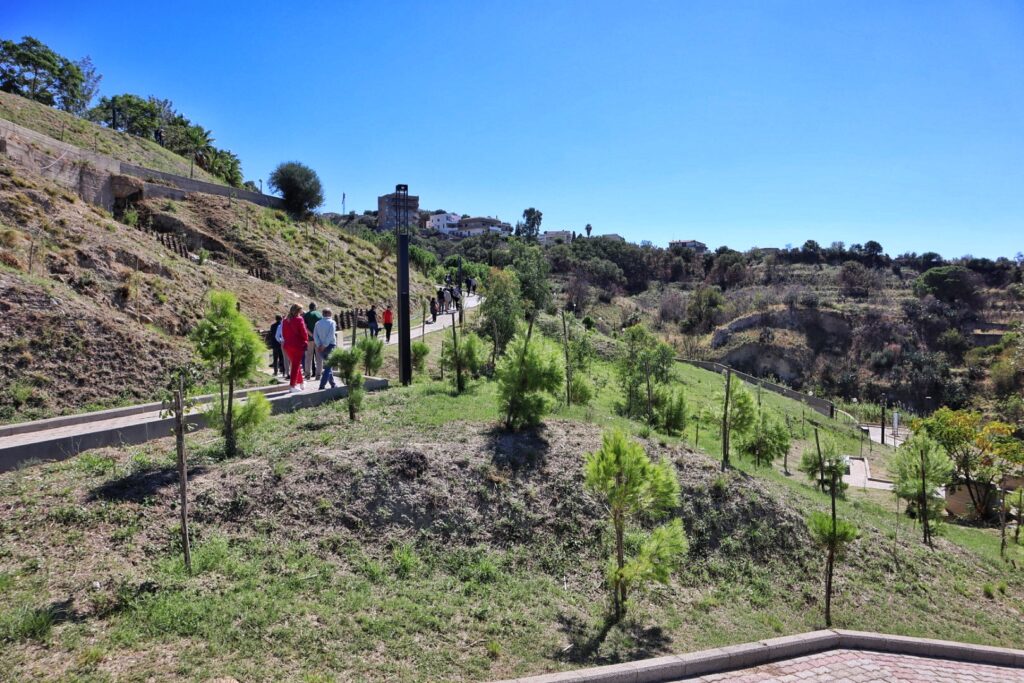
<point x="109" y="413"/>
<point x="746" y="655"/>
<point x="66" y="447"/>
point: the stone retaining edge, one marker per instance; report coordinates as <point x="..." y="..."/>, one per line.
<point x="746" y="655"/>
<point x="109" y="413"/>
<point x="68" y="446"/>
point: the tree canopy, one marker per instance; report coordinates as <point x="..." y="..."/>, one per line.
<point x="299" y="186"/>
<point x="32" y="70"/>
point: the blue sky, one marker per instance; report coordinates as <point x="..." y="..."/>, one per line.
<point x="743" y="123"/>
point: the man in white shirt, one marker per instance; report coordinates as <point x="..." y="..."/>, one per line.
<point x="325" y="339"/>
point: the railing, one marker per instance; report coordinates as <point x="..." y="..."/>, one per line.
<point x="821" y="405"/>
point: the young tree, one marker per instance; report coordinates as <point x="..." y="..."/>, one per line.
<point x="502" y="308"/>
<point x="816" y="461"/>
<point x="829" y="532"/>
<point x="299" y="186"/>
<point x="642" y="360"/>
<point x="970" y="442"/>
<point x="344" y="362"/>
<point x="532" y="269"/>
<point x="672" y="411"/>
<point x="461" y="356"/>
<point x="228" y="343"/>
<point x="766" y="441"/>
<point x="737" y="411"/>
<point x="529" y="375"/>
<point x="371" y="352"/>
<point x="420" y="351"/>
<point x="634" y="488"/>
<point x="920" y="467"/>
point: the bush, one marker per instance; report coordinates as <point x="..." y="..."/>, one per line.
<point x="528" y="375"/>
<point x="345" y="362"/>
<point x="299" y="186"/>
<point x="462" y="357"/>
<point x="419" y="356"/>
<point x="371" y="350"/>
<point x="672" y="413"/>
<point x="581" y="391"/>
<point x="951" y="284"/>
<point x="356" y="394"/>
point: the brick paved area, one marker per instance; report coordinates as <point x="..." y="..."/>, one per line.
<point x="867" y="667"/>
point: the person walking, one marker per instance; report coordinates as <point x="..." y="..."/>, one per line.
<point x="440" y="299"/>
<point x="433" y="310"/>
<point x="325" y="336"/>
<point x="388" y="318"/>
<point x="447" y="299"/>
<point x="279" y="337"/>
<point x="296" y="338"/>
<point x="371" y="321"/>
<point x="277" y="357"/>
<point x="312" y="362"/>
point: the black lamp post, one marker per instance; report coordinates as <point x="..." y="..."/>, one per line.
<point x="401" y="205"/>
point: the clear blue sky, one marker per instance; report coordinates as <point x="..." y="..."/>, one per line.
<point x="743" y="123"/>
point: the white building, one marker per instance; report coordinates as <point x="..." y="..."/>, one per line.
<point x="445" y="223"/>
<point x="555" y="236"/>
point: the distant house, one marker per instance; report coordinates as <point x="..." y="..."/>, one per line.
<point x="698" y="247"/>
<point x="555" y="236"/>
<point x="613" y="236"/>
<point x="388" y="208"/>
<point x="444" y="223"/>
<point x="480" y="225"/>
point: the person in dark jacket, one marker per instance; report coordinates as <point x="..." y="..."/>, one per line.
<point x="371" y="321"/>
<point x="277" y="362"/>
<point x="312" y="360"/>
<point x="433" y="310"/>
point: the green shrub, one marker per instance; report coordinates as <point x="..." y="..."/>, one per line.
<point x="356" y="394"/>
<point x="344" y="362"/>
<point x="419" y="356"/>
<point x="581" y="391"/>
<point x="528" y="375"/>
<point x="371" y="349"/>
<point x="299" y="186"/>
<point x="462" y="355"/>
<point x="130" y="217"/>
<point x="672" y="413"/>
<point x="25" y="623"/>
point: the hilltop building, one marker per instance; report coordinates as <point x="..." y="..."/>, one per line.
<point x="387" y="210"/>
<point x="555" y="236"/>
<point x="479" y="225"/>
<point x="444" y="223"/>
<point x="698" y="247"/>
<point x="613" y="236"/>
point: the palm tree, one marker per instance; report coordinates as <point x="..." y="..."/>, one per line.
<point x="199" y="143"/>
<point x="588" y="229"/>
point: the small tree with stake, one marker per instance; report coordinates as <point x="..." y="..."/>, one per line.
<point x="829" y="532"/>
<point x="632" y="487"/>
<point x="529" y="375"/>
<point x="765" y="441"/>
<point x="229" y="344"/>
<point x="345" y="362"/>
<point x="920" y="467"/>
<point x="180" y="384"/>
<point x="737" y="415"/>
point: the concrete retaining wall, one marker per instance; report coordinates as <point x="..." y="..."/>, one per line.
<point x="65" y="447"/>
<point x="88" y="174"/>
<point x="823" y="406"/>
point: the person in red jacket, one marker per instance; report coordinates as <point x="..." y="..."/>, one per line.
<point x="389" y="319"/>
<point x="295" y="334"/>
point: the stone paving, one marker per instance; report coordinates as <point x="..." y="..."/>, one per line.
<point x="861" y="666"/>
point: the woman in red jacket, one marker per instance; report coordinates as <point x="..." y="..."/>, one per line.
<point x="295" y="334"/>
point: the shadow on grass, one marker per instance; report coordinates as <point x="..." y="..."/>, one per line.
<point x="527" y="449"/>
<point x="139" y="486"/>
<point x="610" y="642"/>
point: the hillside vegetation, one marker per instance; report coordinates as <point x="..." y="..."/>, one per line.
<point x="422" y="542"/>
<point x="93" y="137"/>
<point x="96" y="309"/>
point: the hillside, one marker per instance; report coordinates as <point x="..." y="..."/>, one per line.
<point x="424" y="543"/>
<point x="93" y="137"/>
<point x="95" y="309"/>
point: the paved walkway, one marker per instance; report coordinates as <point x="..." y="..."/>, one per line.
<point x="870" y="667"/>
<point x="113" y="422"/>
<point x="875" y="434"/>
<point x="860" y="476"/>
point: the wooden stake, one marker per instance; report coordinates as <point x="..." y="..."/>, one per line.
<point x="179" y="438"/>
<point x="725" y="421"/>
<point x="568" y="369"/>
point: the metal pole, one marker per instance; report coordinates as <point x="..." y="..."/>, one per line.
<point x="404" y="332"/>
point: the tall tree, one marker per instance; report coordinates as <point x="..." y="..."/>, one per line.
<point x="530" y="227"/>
<point x="299" y="186"/>
<point x="633" y="488"/>
<point x="32" y="70"/>
<point x="502" y="308"/>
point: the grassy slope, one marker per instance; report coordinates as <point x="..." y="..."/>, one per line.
<point x="111" y="298"/>
<point x="93" y="137"/>
<point x="321" y="558"/>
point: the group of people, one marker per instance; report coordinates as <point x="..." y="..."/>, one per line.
<point x="301" y="343"/>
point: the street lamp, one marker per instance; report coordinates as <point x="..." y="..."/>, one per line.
<point x="401" y="207"/>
